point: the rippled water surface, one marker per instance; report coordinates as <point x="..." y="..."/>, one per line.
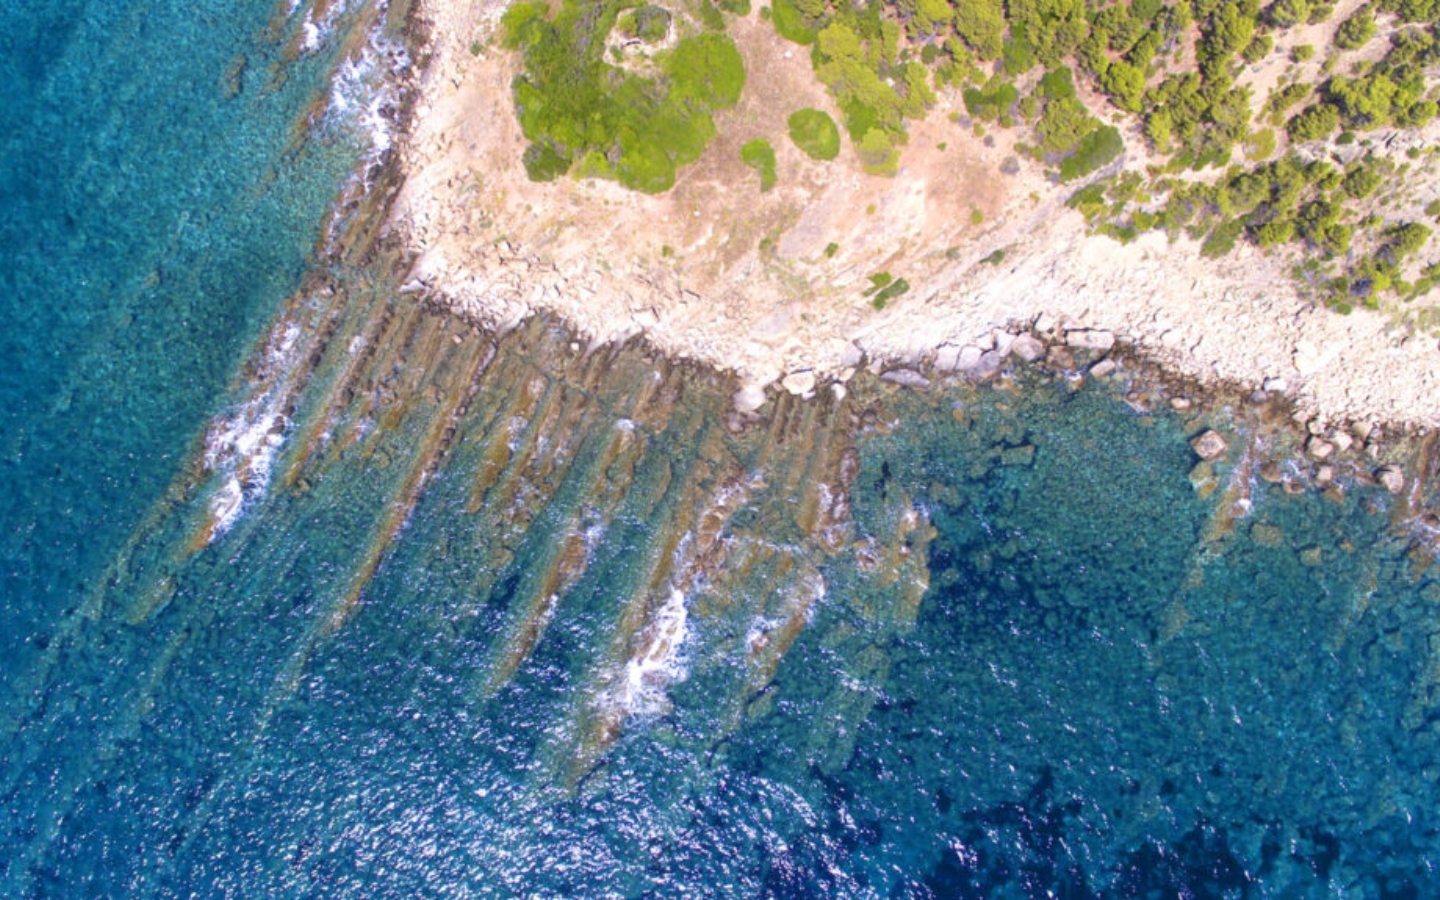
<point x="308" y="591"/>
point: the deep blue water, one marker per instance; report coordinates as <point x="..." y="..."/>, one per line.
<point x="307" y="591"/>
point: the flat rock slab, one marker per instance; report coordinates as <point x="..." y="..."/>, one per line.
<point x="1090" y="339"/>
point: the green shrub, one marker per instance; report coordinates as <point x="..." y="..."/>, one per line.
<point x="1288" y="13"/>
<point x="1221" y="239"/>
<point x="792" y="24"/>
<point x="877" y="154"/>
<point x="1097" y="148"/>
<point x="1258" y="48"/>
<point x="575" y="107"/>
<point x="1362" y="182"/>
<point x="1302" y="53"/>
<point x="1356" y="31"/>
<point x="648" y="23"/>
<point x="760" y="156"/>
<point x="991" y="102"/>
<point x="1405" y="240"/>
<point x="1313" y="124"/>
<point x="815" y="133"/>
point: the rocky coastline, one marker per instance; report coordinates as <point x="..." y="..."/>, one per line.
<point x="1321" y="401"/>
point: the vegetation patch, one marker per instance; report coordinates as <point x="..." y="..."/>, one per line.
<point x="577" y="110"/>
<point x="760" y="156"/>
<point x="815" y="133"/>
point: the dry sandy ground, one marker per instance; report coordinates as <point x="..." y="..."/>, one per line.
<point x="717" y="271"/>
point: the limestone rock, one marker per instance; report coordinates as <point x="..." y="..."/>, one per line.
<point x="799" y="383"/>
<point x="1090" y="339"/>
<point x="1209" y="445"/>
<point x="1392" y="478"/>
<point x="749" y="398"/>
<point x="969" y="358"/>
<point x="1027" y="347"/>
<point x="906" y="378"/>
<point x="1103" y="368"/>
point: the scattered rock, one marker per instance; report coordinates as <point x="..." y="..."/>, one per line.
<point x="1103" y="368"/>
<point x="799" y="383"/>
<point x="851" y="356"/>
<point x="1342" y="440"/>
<point x="749" y="398"/>
<point x="906" y="378"/>
<point x="1203" y="479"/>
<point x="1027" y="347"/>
<point x="968" y="358"/>
<point x="1209" y="445"/>
<point x="1266" y="535"/>
<point x="1319" y="448"/>
<point x="1324" y="475"/>
<point x="1180" y="404"/>
<point x="1275" y="385"/>
<point x="1003" y="341"/>
<point x="1090" y="339"/>
<point x="1392" y="478"/>
<point x="947" y="358"/>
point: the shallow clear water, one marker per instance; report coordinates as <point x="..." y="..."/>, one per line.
<point x="308" y="591"/>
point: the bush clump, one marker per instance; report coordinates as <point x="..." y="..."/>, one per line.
<point x="760" y="156"/>
<point x="576" y="108"/>
<point x="815" y="133"/>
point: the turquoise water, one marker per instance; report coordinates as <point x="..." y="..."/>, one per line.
<point x="308" y="591"/>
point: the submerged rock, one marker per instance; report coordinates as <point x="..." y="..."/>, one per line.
<point x="906" y="378"/>
<point x="1210" y="445"/>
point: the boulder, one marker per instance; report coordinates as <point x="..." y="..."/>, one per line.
<point x="1392" y="478"/>
<point x="1103" y="368"/>
<point x="947" y="358"/>
<point x="749" y="398"/>
<point x="1210" y="445"/>
<point x="906" y="378"/>
<point x="968" y="358"/>
<point x="1090" y="339"/>
<point x="1319" y="448"/>
<point x="799" y="383"/>
<point x="1027" y="347"/>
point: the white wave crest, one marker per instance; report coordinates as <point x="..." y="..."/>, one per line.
<point x="659" y="662"/>
<point x="241" y="447"/>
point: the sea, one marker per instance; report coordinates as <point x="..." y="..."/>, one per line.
<point x="309" y="589"/>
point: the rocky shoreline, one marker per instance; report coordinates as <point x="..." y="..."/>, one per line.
<point x="1374" y="428"/>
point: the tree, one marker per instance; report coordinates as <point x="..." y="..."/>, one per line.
<point x="1356" y="31"/>
<point x="1125" y="83"/>
<point x="981" y="24"/>
<point x="1314" y="123"/>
